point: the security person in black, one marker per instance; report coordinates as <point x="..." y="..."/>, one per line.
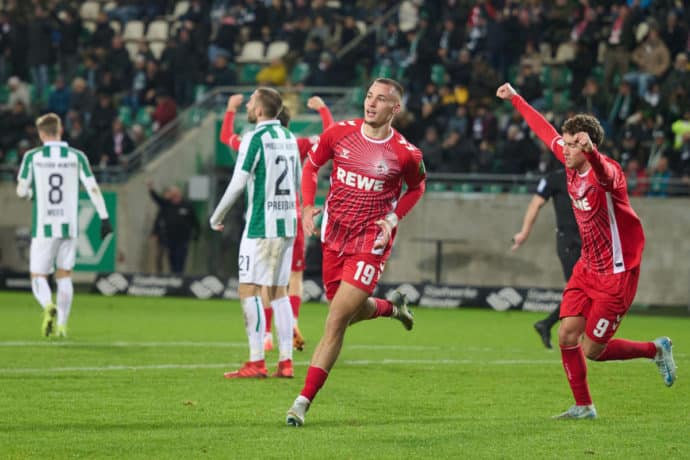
<point x="179" y="225"/>
<point x="568" y="242"/>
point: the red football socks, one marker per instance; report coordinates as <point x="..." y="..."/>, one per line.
<point x="576" y="370"/>
<point x="316" y="377"/>
<point x="295" y="302"/>
<point x="618" y="349"/>
<point x="383" y="308"/>
<point x="268" y="311"/>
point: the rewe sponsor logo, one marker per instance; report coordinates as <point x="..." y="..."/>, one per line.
<point x="582" y="204"/>
<point x="358" y="181"/>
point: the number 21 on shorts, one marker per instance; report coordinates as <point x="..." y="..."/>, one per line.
<point x="365" y="273"/>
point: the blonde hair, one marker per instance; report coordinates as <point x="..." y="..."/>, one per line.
<point x="49" y="124"/>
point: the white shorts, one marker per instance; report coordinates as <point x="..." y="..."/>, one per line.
<point x="265" y="261"/>
<point x="47" y="253"/>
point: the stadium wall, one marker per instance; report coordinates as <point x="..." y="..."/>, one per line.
<point x="477" y="231"/>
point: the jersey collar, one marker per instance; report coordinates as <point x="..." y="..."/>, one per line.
<point x="267" y="122"/>
<point x="57" y="143"/>
<point x="376" y="141"/>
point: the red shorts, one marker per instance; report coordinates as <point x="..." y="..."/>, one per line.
<point x="298" y="255"/>
<point x="360" y="270"/>
<point x="603" y="299"/>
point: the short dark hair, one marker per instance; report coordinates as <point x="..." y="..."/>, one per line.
<point x="389" y="81"/>
<point x="284" y="117"/>
<point x="270" y="100"/>
<point x="585" y="123"/>
<point x="49" y="124"/>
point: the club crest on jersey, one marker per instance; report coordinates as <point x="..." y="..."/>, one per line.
<point x="381" y="168"/>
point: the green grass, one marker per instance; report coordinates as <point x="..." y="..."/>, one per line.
<point x="142" y="378"/>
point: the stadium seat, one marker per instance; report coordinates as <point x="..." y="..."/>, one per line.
<point x="357" y="97"/>
<point x="252" y="51"/>
<point x="89" y="25"/>
<point x="124" y="113"/>
<point x="276" y="50"/>
<point x="438" y="74"/>
<point x="89" y="11"/>
<point x="116" y="26"/>
<point x="157" y="30"/>
<point x="519" y="189"/>
<point x="492" y="188"/>
<point x="199" y="91"/>
<point x="463" y="188"/>
<point x="11" y="157"/>
<point x="157" y="49"/>
<point x="435" y="187"/>
<point x="4" y="94"/>
<point x="134" y="31"/>
<point x="181" y="8"/>
<point x="299" y="72"/>
<point x="248" y="73"/>
<point x="132" y="49"/>
<point x="382" y="71"/>
<point x="144" y="117"/>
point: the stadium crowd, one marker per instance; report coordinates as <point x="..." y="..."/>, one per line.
<point x="624" y="61"/>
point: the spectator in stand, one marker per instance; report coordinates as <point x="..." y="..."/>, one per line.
<point x="59" y="98"/>
<point x="119" y="64"/>
<point x="636" y="178"/>
<point x="91" y="71"/>
<point x="519" y="154"/>
<point x="103" y="115"/>
<point x="39" y="51"/>
<point x="220" y="74"/>
<point x="155" y="80"/>
<point x="433" y="150"/>
<point x="620" y="43"/>
<point x="253" y="15"/>
<point x="81" y="99"/>
<point x="676" y="86"/>
<point x="591" y="99"/>
<point x="69" y="28"/>
<point x="76" y="135"/>
<point x="652" y="59"/>
<point x="323" y="74"/>
<point x="6" y="38"/>
<point x="184" y="67"/>
<point x="675" y="34"/>
<point x="13" y="126"/>
<point x="116" y="145"/>
<point x="659" y="148"/>
<point x="165" y="111"/>
<point x="102" y="37"/>
<point x="19" y="92"/>
<point x="450" y="40"/>
<point x="624" y="105"/>
<point x="389" y="42"/>
<point x="275" y="74"/>
<point x="659" y="179"/>
<point x="529" y="85"/>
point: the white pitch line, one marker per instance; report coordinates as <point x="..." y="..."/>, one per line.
<point x="125" y="344"/>
<point x="384" y="362"/>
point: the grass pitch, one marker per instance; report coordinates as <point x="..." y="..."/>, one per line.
<point x="141" y="378"/>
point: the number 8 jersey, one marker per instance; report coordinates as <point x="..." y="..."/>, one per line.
<point x="52" y="173"/>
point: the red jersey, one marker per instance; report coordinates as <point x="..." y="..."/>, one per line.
<point x="611" y="231"/>
<point x="366" y="183"/>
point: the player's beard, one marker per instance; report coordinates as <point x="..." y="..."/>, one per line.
<point x="251" y="116"/>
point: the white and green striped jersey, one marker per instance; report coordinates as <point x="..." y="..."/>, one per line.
<point x="52" y="173"/>
<point x="270" y="155"/>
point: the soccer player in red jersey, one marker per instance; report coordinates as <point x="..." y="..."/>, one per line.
<point x="604" y="279"/>
<point x="370" y="163"/>
<point x="305" y="144"/>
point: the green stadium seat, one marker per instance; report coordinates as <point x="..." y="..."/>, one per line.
<point x="438" y="74"/>
<point x="299" y="73"/>
<point x="435" y="187"/>
<point x="143" y="117"/>
<point x="357" y="97"/>
<point x="463" y="188"/>
<point x="519" y="189"/>
<point x="4" y="94"/>
<point x="124" y="113"/>
<point x="12" y="157"/>
<point x="492" y="188"/>
<point x="199" y="91"/>
<point x="382" y="71"/>
<point x="248" y="73"/>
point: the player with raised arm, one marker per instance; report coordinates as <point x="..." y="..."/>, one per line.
<point x="604" y="280"/>
<point x="568" y="241"/>
<point x="371" y="161"/>
<point x="268" y="167"/>
<point x="305" y="144"/>
<point x="50" y="175"/>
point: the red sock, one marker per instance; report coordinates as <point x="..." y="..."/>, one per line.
<point x="576" y="370"/>
<point x="383" y="308"/>
<point x="268" y="311"/>
<point x="316" y="377"/>
<point x="627" y="349"/>
<point x="295" y="302"/>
